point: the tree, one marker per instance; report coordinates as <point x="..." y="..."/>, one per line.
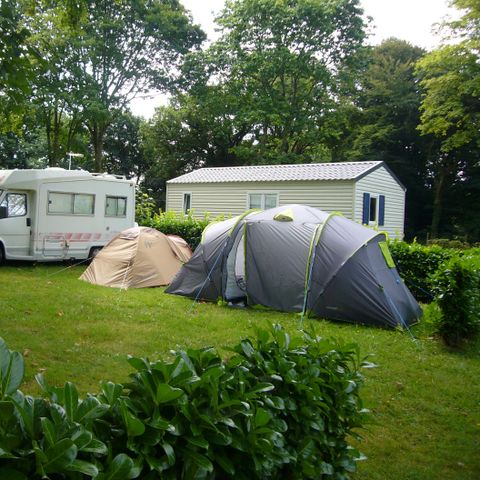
<point x="384" y="125"/>
<point x="16" y="70"/>
<point x="54" y="97"/>
<point x="124" y="147"/>
<point x="267" y="90"/>
<point x="451" y="105"/>
<point x="289" y="61"/>
<point x="117" y="50"/>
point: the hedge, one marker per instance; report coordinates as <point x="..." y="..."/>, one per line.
<point x="416" y="264"/>
<point x="456" y="285"/>
<point x="280" y="407"/>
<point x="170" y="223"/>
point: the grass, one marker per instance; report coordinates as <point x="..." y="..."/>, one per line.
<point x="425" y="398"/>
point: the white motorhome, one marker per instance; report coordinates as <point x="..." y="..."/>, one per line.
<point x="55" y="214"/>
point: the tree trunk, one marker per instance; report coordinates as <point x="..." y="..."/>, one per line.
<point x="438" y="188"/>
<point x="48" y="131"/>
<point x="57" y="121"/>
<point x="98" y="138"/>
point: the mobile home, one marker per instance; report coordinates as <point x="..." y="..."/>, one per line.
<point x="365" y="192"/>
<point x="55" y="214"/>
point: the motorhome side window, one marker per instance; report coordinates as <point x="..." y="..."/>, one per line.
<point x="71" y="203"/>
<point x="16" y="204"/>
<point x="116" y="206"/>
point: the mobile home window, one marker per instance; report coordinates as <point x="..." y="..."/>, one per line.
<point x="262" y="201"/>
<point x="373" y="209"/>
<point x="187" y="202"/>
<point x="116" y="206"/>
<point x="16" y="204"/>
<point x="71" y="203"/>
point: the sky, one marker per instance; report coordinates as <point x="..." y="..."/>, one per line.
<point x="410" y="20"/>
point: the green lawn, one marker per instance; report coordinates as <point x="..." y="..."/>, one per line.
<point x="425" y="399"/>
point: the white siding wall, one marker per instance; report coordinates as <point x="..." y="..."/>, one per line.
<point x="232" y="198"/>
<point x="380" y="182"/>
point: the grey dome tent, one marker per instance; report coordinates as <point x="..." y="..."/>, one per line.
<point x="299" y="259"/>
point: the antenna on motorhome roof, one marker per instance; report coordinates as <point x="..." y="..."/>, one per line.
<point x="70" y="155"/>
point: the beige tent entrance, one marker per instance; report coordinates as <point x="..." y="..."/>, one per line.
<point x="138" y="257"/>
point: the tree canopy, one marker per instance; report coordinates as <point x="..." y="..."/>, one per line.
<point x="287" y="81"/>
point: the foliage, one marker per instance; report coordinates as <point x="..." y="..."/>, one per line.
<point x="308" y="378"/>
<point x="23" y="149"/>
<point x="457" y="292"/>
<point x="383" y="125"/>
<point x="124" y="147"/>
<point x="279" y="407"/>
<point x="450" y="111"/>
<point x="170" y="223"/>
<point x="451" y="243"/>
<point x="450" y="108"/>
<point x="290" y="61"/>
<point x="267" y="90"/>
<point x="16" y="69"/>
<point x="416" y="263"/>
<point x="104" y="54"/>
<point x="54" y="99"/>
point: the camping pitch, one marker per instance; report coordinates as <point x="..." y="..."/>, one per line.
<point x="299" y="259"/>
<point x="138" y="257"/>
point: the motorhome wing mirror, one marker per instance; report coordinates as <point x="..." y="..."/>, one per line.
<point x="3" y="212"/>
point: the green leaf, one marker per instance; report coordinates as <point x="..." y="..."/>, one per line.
<point x="5" y="454"/>
<point x="111" y="391"/>
<point x="12" y="372"/>
<point x="90" y="409"/>
<point x="42" y="382"/>
<point x="247" y="348"/>
<point x="226" y="464"/>
<point x="326" y="469"/>
<point x="81" y="466"/>
<point x="138" y="363"/>
<point x="119" y="469"/>
<point x="60" y="456"/>
<point x="166" y="393"/>
<point x="262" y="417"/>
<point x="49" y="431"/>
<point x="198" y="459"/>
<point x="169" y="452"/>
<point x="4" y="357"/>
<point x="260" y="388"/>
<point x="70" y="400"/>
<point x="135" y="426"/>
<point x="198" y="441"/>
<point x="96" y="446"/>
<point x="82" y="438"/>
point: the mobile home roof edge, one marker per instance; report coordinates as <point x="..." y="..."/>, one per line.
<point x="281" y="173"/>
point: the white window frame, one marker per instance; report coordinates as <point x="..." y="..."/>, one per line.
<point x="262" y="193"/>
<point x="185" y="210"/>
<point x="116" y="198"/>
<point x="72" y="213"/>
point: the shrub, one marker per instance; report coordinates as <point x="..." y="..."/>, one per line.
<point x="279" y="408"/>
<point x="416" y="263"/>
<point x="457" y="293"/>
<point x="170" y="223"/>
<point x="449" y="243"/>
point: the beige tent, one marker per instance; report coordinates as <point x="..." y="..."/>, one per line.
<point x="138" y="257"/>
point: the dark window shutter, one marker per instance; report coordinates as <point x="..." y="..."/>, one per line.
<point x="366" y="209"/>
<point x="381" y="210"/>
